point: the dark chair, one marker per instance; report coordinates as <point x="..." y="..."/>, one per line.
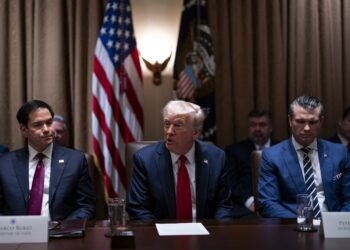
<point x="97" y="180"/>
<point x="131" y="148"/>
<point x="255" y="161"/>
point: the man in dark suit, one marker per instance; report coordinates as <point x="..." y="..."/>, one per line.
<point x="239" y="159"/>
<point x="343" y="134"/>
<point x="284" y="166"/>
<point x="161" y="177"/>
<point x="66" y="189"/>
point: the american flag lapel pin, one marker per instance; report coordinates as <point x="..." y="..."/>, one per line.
<point x="205" y="161"/>
<point x="61" y="161"/>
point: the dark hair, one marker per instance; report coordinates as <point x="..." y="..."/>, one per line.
<point x="346" y="112"/>
<point x="28" y="107"/>
<point x="306" y="102"/>
<point x="255" y="113"/>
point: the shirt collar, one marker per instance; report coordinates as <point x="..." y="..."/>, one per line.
<point x="189" y="155"/>
<point x="298" y="146"/>
<point x="342" y="139"/>
<point x="266" y="145"/>
<point x="47" y="152"/>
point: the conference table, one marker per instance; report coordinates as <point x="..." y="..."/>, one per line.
<point x="227" y="234"/>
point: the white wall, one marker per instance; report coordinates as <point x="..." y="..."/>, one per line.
<point x="150" y="17"/>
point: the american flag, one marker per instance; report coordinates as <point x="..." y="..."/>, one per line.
<point x="117" y="115"/>
<point x="194" y="66"/>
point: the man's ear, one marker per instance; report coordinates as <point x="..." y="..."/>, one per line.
<point x="24" y="130"/>
<point x="197" y="133"/>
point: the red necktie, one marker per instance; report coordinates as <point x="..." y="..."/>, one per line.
<point x="36" y="193"/>
<point x="348" y="147"/>
<point x="183" y="192"/>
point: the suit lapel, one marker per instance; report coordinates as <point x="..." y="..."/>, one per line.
<point x="202" y="178"/>
<point x="58" y="164"/>
<point x="20" y="165"/>
<point x="292" y="164"/>
<point x="166" y="177"/>
<point x="326" y="167"/>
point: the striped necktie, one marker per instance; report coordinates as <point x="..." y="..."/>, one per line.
<point x="310" y="182"/>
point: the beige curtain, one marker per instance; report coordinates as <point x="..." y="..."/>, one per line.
<point x="270" y="51"/>
<point x="46" y="49"/>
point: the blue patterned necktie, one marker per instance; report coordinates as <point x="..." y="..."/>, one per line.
<point x="310" y="182"/>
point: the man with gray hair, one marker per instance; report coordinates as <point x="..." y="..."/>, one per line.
<point x="304" y="164"/>
<point x="180" y="177"/>
<point x="61" y="133"/>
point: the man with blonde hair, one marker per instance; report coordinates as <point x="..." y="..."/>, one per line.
<point x="180" y="177"/>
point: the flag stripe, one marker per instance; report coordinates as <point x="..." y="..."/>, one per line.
<point x="109" y="141"/>
<point x="100" y="158"/>
<point x="125" y="131"/>
<point x="117" y="117"/>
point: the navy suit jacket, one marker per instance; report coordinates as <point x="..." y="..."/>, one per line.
<point x="238" y="158"/>
<point x="3" y="149"/>
<point x="281" y="178"/>
<point x="152" y="192"/>
<point x="71" y="194"/>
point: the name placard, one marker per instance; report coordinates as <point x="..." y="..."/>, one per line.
<point x="336" y="224"/>
<point x="23" y="229"/>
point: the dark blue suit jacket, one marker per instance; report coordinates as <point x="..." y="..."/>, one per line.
<point x="152" y="192"/>
<point x="71" y="194"/>
<point x="281" y="178"/>
<point x="3" y="149"/>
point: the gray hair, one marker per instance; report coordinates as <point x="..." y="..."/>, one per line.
<point x="306" y="102"/>
<point x="59" y="118"/>
<point x="180" y="107"/>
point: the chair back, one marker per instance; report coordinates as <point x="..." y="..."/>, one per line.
<point x="255" y="165"/>
<point x="131" y="148"/>
<point x="98" y="182"/>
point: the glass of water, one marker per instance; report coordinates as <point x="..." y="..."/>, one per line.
<point x="304" y="212"/>
<point x="117" y="214"/>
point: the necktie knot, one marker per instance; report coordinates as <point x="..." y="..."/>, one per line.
<point x="40" y="156"/>
<point x="306" y="151"/>
<point x="182" y="160"/>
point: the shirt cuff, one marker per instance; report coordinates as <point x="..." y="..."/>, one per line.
<point x="249" y="202"/>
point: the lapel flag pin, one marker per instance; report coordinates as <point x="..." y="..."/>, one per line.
<point x="61" y="161"/>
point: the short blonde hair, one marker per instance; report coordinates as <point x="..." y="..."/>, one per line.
<point x="179" y="107"/>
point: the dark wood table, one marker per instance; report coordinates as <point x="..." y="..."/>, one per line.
<point x="233" y="234"/>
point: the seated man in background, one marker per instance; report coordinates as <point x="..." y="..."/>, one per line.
<point x="3" y="149"/>
<point x="180" y="177"/>
<point x="238" y="157"/>
<point x="44" y="178"/>
<point x="60" y="126"/>
<point x="304" y="164"/>
<point x="343" y="134"/>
